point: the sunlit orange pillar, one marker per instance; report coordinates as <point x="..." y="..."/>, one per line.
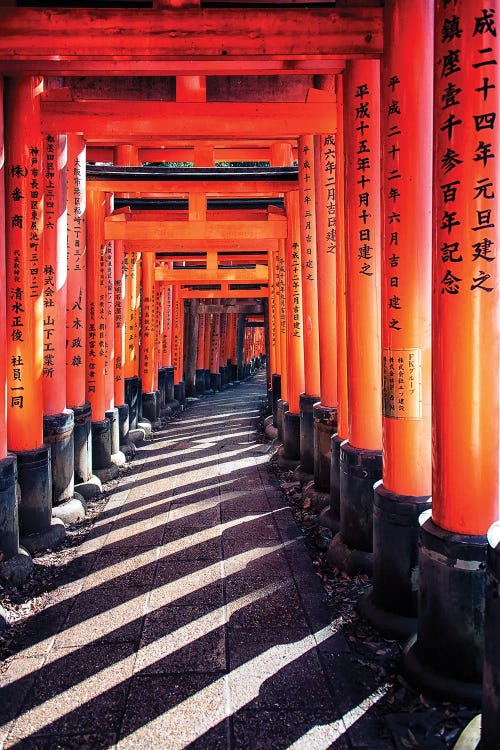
<point x="223" y="350"/>
<point x="275" y="363"/>
<point x="167" y="345"/>
<point x="97" y="320"/>
<point x="281" y="155"/>
<point x="24" y="298"/>
<point x="178" y="344"/>
<point x="215" y="376"/>
<point x="465" y="351"/>
<point x="295" y="334"/>
<point x="76" y="311"/>
<point x="160" y="378"/>
<point x="405" y="489"/>
<point x="361" y="455"/>
<point x="309" y="267"/>
<point x="150" y="404"/>
<point x="325" y="412"/>
<point x="58" y="421"/>
<point x="9" y="525"/>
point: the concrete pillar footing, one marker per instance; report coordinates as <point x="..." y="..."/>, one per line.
<point x="119" y="458"/>
<point x="324" y="426"/>
<point x="71" y="511"/>
<point x="306" y="404"/>
<point x="50" y="538"/>
<point x="108" y="473"/>
<point x="145" y="424"/>
<point x="128" y="448"/>
<point x="89" y="489"/>
<point x="329" y="520"/>
<point x="58" y="432"/>
<point x="318" y="500"/>
<point x="352" y="561"/>
<point x="17" y="569"/>
<point x="284" y="463"/>
<point x="389" y="624"/>
<point x="302" y="476"/>
<point x="137" y="435"/>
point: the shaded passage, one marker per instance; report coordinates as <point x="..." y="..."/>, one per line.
<point x="193" y="617"/>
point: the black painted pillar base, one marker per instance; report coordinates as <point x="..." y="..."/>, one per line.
<point x="491" y="677"/>
<point x="9" y="520"/>
<point x="391" y="605"/>
<point x="169" y="385"/>
<point x="102" y="464"/>
<point x="132" y="399"/>
<point x="446" y="657"/>
<point x="281" y="408"/>
<point x="330" y="517"/>
<point x="234" y="373"/>
<point x="127" y="447"/>
<point x="306" y="404"/>
<point x="215" y="381"/>
<point x="180" y="393"/>
<point x="162" y="397"/>
<point x="200" y="381"/>
<point x="291" y="436"/>
<point x="324" y="426"/>
<point x="151" y="406"/>
<point x="82" y="441"/>
<point x="276" y="395"/>
<point x="58" y="431"/>
<point x="352" y="548"/>
<point x="38" y="530"/>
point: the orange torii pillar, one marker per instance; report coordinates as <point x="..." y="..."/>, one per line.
<point x="9" y="526"/>
<point x="309" y="267"/>
<point x="295" y="336"/>
<point x="405" y="489"/>
<point x="233" y="335"/>
<point x="361" y="454"/>
<point x="170" y="403"/>
<point x="58" y="421"/>
<point x="76" y="317"/>
<point x="125" y="155"/>
<point x="223" y="345"/>
<point x="206" y="355"/>
<point x="330" y="517"/>
<point x="215" y="376"/>
<point x="282" y="401"/>
<point x="150" y="393"/>
<point x="325" y="413"/>
<point x="131" y="351"/>
<point x="240" y="347"/>
<point x="97" y="320"/>
<point x="275" y="366"/>
<point x="200" y="356"/>
<point x="160" y="294"/>
<point x="447" y="656"/>
<point x="191" y="347"/>
<point x="178" y="345"/>
<point x="281" y="155"/>
<point x="24" y="297"/>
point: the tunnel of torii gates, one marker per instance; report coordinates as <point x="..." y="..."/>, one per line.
<point x="365" y="240"/>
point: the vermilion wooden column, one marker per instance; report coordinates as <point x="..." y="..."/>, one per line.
<point x="309" y="267"/>
<point x="223" y="349"/>
<point x="24" y="297"/>
<point x="361" y="456"/>
<point x="76" y="312"/>
<point x="9" y="526"/>
<point x="58" y="421"/>
<point x="97" y="317"/>
<point x="281" y="155"/>
<point x="406" y="315"/>
<point x="148" y="339"/>
<point x="295" y="336"/>
<point x="325" y="413"/>
<point x="200" y="358"/>
<point x="178" y="343"/>
<point x="465" y="346"/>
<point x="215" y="342"/>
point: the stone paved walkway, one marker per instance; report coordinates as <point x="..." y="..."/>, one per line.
<point x="193" y="618"/>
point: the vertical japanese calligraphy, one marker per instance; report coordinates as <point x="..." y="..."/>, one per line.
<point x="23" y="294"/>
<point x="148" y="334"/>
<point x="77" y="266"/>
<point x="294" y="338"/>
<point x="465" y="285"/>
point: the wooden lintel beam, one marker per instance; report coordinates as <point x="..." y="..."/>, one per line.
<point x="258" y="275"/>
<point x="195" y="230"/>
<point x="211" y="188"/>
<point x="66" y="34"/>
<point x="115" y="120"/>
<point x="169" y="245"/>
<point x="224" y="293"/>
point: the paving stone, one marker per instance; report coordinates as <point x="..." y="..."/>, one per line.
<point x="280" y="608"/>
<point x="176" y="711"/>
<point x="187" y="583"/>
<point x="132" y="567"/>
<point x="182" y="639"/>
<point x="68" y="742"/>
<point x="110" y="615"/>
<point x="280" y="729"/>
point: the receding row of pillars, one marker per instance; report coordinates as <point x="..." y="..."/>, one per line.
<point x="384" y="313"/>
<point x="94" y="349"/>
